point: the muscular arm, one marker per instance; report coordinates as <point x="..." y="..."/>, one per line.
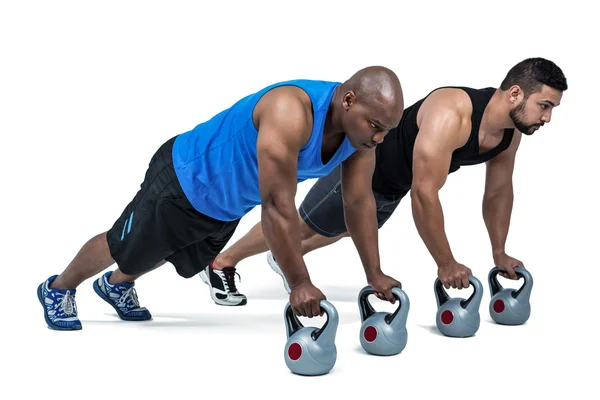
<point x="360" y="211"/>
<point x="283" y="128"/>
<point x="498" y="196"/>
<point x="442" y="130"/>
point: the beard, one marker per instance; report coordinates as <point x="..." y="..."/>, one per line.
<point x="517" y="115"/>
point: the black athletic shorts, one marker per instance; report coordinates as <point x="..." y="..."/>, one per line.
<point x="161" y="224"/>
<point x="323" y="207"/>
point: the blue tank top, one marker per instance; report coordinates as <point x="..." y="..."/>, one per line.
<point x="216" y="162"/>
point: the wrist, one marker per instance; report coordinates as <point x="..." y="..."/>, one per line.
<point x="373" y="273"/>
<point x="498" y="252"/>
<point x="445" y="262"/>
<point x="299" y="283"/>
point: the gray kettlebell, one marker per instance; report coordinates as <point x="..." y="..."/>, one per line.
<point x="383" y="333"/>
<point x="510" y="306"/>
<point x="458" y="317"/>
<point x="311" y="351"/>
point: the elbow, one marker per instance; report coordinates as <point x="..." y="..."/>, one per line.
<point x="275" y="205"/>
<point x="491" y="195"/>
<point x="420" y="194"/>
<point x="358" y="202"/>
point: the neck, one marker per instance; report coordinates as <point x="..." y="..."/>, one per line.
<point x="333" y="122"/>
<point x="496" y="116"/>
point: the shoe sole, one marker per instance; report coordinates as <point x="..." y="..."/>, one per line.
<point x="218" y="301"/>
<point x="124" y="317"/>
<point x="50" y="324"/>
<point x="275" y="267"/>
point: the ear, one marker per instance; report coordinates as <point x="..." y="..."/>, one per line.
<point x="515" y="94"/>
<point x="349" y="100"/>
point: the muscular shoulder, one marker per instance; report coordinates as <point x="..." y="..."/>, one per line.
<point x="289" y="107"/>
<point x="448" y="101"/>
<point x="447" y="107"/>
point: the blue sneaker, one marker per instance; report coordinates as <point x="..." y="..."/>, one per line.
<point x="122" y="297"/>
<point x="60" y="309"/>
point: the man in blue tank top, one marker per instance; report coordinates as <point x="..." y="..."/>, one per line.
<point x="200" y="183"/>
<point x="449" y="128"/>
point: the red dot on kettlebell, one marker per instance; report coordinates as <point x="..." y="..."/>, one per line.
<point x="447" y="317"/>
<point x="370" y="333"/>
<point x="294" y="351"/>
<point x="498" y="306"/>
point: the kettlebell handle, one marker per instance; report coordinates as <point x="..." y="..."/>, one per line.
<point x="496" y="287"/>
<point x="293" y="324"/>
<point x="477" y="290"/>
<point x="442" y="295"/>
<point x="366" y="309"/>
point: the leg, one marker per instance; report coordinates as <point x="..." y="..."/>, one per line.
<point x="138" y="242"/>
<point x="250" y="244"/>
<point x="317" y="241"/>
<point x="323" y="198"/>
<point x="120" y="277"/>
<point x="253" y="243"/>
<point x="94" y="257"/>
<point x="199" y="259"/>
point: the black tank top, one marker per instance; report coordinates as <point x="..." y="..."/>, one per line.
<point x="393" y="170"/>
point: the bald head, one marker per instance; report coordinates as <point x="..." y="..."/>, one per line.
<point x="372" y="104"/>
<point x="378" y="87"/>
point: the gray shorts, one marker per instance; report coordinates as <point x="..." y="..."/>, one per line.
<point x="323" y="207"/>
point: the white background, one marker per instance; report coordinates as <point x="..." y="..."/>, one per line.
<point x="89" y="91"/>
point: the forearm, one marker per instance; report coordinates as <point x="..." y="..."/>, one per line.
<point x="361" y="223"/>
<point x="281" y="230"/>
<point x="429" y="220"/>
<point x="497" y="209"/>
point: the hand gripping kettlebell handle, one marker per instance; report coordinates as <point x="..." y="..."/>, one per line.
<point x="326" y="332"/>
<point x="524" y="291"/>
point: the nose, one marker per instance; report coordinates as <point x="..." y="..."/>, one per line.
<point x="378" y="137"/>
<point x="547" y="116"/>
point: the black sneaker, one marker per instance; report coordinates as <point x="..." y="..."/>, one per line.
<point x="222" y="286"/>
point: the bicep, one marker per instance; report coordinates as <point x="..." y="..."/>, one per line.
<point x="277" y="166"/>
<point x="499" y="170"/>
<point x="281" y="134"/>
<point x="432" y="154"/>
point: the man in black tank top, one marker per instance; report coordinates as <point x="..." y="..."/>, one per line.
<point x="449" y="128"/>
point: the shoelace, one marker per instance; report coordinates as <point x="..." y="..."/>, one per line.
<point x="129" y="294"/>
<point x="230" y="274"/>
<point x="68" y="304"/>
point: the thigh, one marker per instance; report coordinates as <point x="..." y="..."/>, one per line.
<point x="386" y="205"/>
<point x="195" y="257"/>
<point x="158" y="221"/>
<point x="323" y="207"/>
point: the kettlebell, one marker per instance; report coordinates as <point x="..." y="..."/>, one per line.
<point x="383" y="333"/>
<point x="309" y="350"/>
<point x="510" y="306"/>
<point x="458" y="317"/>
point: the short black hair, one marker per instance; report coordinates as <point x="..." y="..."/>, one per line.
<point x="532" y="73"/>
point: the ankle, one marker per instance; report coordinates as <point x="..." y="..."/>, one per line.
<point x="221" y="262"/>
<point x="58" y="284"/>
<point x="117" y="277"/>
